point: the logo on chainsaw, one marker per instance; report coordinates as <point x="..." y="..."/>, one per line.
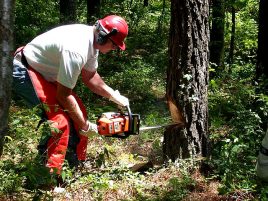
<point x="111" y="128"/>
<point x="116" y="127"/>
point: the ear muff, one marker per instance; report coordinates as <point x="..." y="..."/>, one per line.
<point x="102" y="35"/>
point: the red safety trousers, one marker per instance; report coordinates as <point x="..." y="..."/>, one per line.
<point x="58" y="142"/>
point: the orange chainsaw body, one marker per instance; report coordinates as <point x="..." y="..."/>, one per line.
<point x="115" y="124"/>
<point x="112" y="123"/>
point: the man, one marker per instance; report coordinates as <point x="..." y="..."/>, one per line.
<point x="46" y="71"/>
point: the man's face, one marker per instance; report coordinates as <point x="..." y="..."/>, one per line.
<point x="107" y="47"/>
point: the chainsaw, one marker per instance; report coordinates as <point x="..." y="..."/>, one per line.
<point x="119" y="124"/>
<point x="122" y="125"/>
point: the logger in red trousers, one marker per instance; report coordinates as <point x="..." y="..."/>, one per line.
<point x="46" y="71"/>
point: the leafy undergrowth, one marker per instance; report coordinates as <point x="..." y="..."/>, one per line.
<point x="133" y="169"/>
<point x="116" y="169"/>
<point x="110" y="173"/>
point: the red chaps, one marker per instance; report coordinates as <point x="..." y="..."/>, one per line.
<point x="59" y="123"/>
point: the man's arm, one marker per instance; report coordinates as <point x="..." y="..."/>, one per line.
<point x="96" y="84"/>
<point x="69" y="103"/>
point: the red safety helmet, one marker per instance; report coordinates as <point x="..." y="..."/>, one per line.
<point x="114" y="22"/>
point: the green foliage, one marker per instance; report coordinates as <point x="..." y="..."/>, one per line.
<point x="238" y="115"/>
<point x="246" y="30"/>
<point x="20" y="168"/>
<point x="10" y="180"/>
<point x="33" y="17"/>
<point x="179" y="187"/>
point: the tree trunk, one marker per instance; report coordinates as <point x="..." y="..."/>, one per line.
<point x="93" y="11"/>
<point x="145" y="3"/>
<point x="6" y="45"/>
<point x="68" y="11"/>
<point x="187" y="80"/>
<point x="232" y="42"/>
<point x="262" y="61"/>
<point x="217" y="36"/>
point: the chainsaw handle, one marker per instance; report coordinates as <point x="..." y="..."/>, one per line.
<point x="130" y="118"/>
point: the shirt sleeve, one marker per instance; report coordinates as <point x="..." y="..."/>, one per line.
<point x="70" y="68"/>
<point x="92" y="63"/>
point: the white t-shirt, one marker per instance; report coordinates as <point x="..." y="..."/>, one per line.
<point x="61" y="53"/>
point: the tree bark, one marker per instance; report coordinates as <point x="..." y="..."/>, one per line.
<point x="217" y="36"/>
<point x="6" y="46"/>
<point x="262" y="61"/>
<point x="187" y="80"/>
<point x="68" y="11"/>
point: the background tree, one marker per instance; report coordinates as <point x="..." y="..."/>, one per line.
<point x="187" y="79"/>
<point x="68" y="11"/>
<point x="234" y="8"/>
<point x="232" y="41"/>
<point x="262" y="61"/>
<point x="146" y="3"/>
<point x="217" y="35"/>
<point x="93" y="11"/>
<point x="6" y="46"/>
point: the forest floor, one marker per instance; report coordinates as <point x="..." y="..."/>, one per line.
<point x="147" y="179"/>
<point x="116" y="169"/>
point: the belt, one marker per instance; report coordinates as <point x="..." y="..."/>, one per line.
<point x="24" y="60"/>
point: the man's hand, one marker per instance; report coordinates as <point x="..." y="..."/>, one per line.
<point x="92" y="129"/>
<point x="119" y="99"/>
